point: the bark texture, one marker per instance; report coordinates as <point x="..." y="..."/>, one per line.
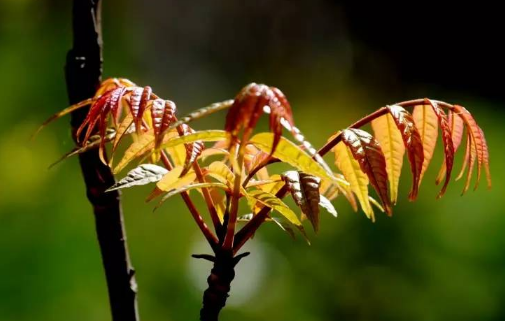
<point x="83" y="72"/>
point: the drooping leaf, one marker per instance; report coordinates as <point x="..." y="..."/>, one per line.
<point x="392" y="146"/>
<point x="366" y="150"/>
<point x="357" y="179"/>
<point x="486" y="159"/>
<point x="426" y="122"/>
<point x="466" y="158"/>
<point x="412" y="142"/>
<point x="476" y="143"/>
<point x="289" y="153"/>
<point x="305" y="191"/>
<point x="456" y="127"/>
<point x="447" y="140"/>
<point x="142" y="175"/>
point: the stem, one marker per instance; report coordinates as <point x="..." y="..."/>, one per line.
<point x="208" y="198"/>
<point x="211" y="238"/>
<point x="83" y="75"/>
<point x="219" y="281"/>
<point x="232" y="219"/>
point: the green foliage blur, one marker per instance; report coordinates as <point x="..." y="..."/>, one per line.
<point x="433" y="260"/>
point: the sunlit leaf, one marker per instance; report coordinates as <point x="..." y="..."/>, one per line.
<point x="477" y="146"/>
<point x="426" y="122"/>
<point x="392" y="146"/>
<point x="366" y="150"/>
<point x="355" y="176"/>
<point x="172" y="180"/>
<point x="292" y="154"/>
<point x="221" y="172"/>
<point x="142" y="175"/>
<point x="447" y="141"/>
<point x="143" y="145"/>
<point x="274" y="203"/>
<point x="412" y="142"/>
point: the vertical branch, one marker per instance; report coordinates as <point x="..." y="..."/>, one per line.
<point x="83" y="74"/>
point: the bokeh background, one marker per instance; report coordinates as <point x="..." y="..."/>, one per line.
<point x="336" y="61"/>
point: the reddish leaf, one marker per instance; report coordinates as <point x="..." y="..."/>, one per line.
<point x="456" y="127"/>
<point x="366" y="150"/>
<point x="251" y="102"/>
<point x="477" y="151"/>
<point x="305" y="191"/>
<point x="486" y="159"/>
<point x="448" y="142"/>
<point x="413" y="144"/>
<point x="162" y="114"/>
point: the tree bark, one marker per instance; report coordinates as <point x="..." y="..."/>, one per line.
<point x="83" y="72"/>
<point x="219" y="281"/>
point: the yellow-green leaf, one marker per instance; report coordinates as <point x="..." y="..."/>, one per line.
<point x="292" y="154"/>
<point x="353" y="174"/>
<point x="274" y="203"/>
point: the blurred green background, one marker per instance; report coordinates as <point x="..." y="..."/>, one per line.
<point x="336" y="61"/>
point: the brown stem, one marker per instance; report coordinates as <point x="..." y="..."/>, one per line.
<point x="219" y="281"/>
<point x="83" y="75"/>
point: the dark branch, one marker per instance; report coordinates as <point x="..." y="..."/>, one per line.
<point x="83" y="75"/>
